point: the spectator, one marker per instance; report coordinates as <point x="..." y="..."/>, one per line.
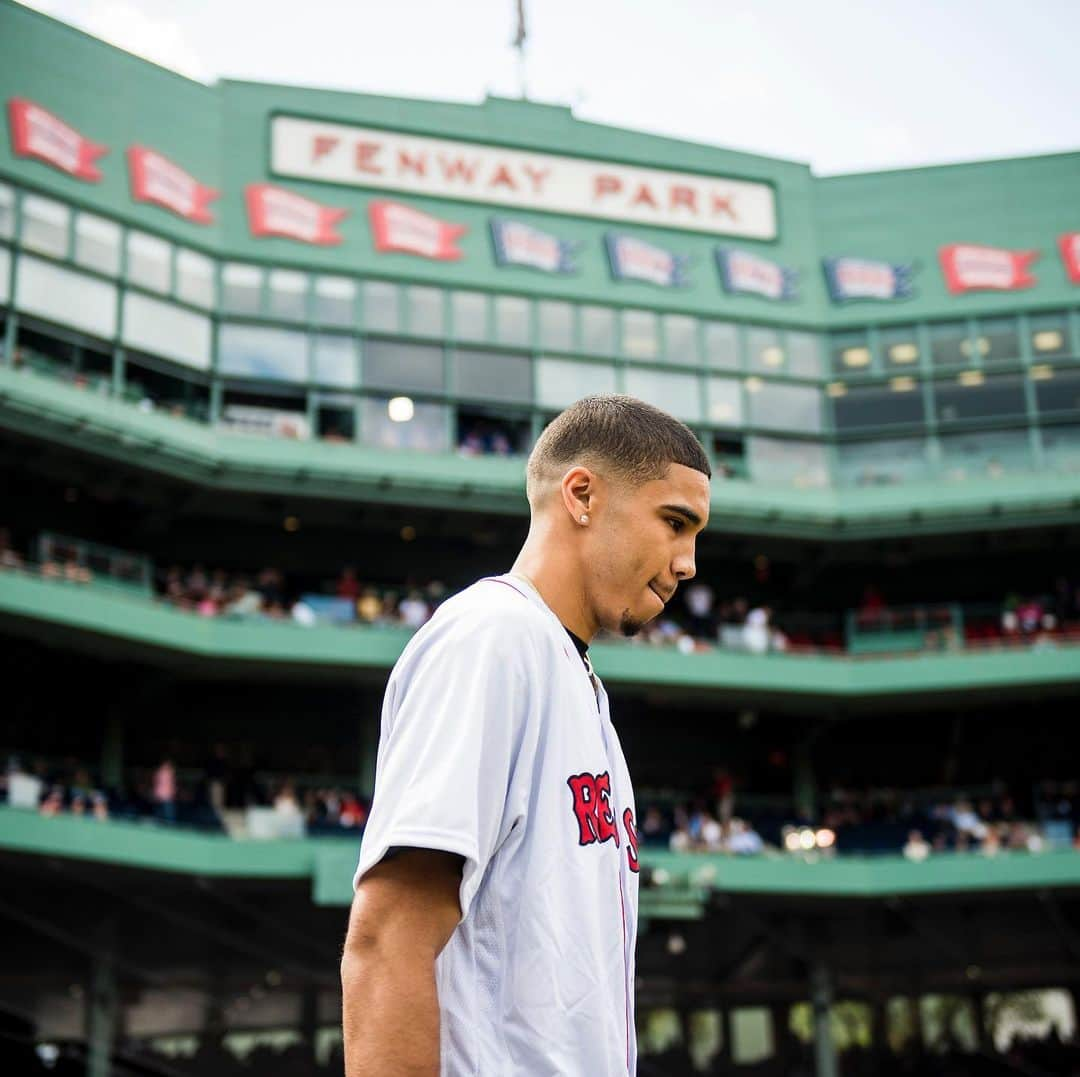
<point x="917" y="848"/>
<point x="348" y="586"/>
<point x="368" y="606"/>
<point x="217" y="778"/>
<point x="413" y="610"/>
<point x="243" y="600"/>
<point x="744" y="840"/>
<point x="164" y="791"/>
<point x="756" y="630"/>
<point x="9" y="556"/>
<point x="699" y="600"/>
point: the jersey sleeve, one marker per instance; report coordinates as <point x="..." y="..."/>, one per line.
<point x="454" y="726"/>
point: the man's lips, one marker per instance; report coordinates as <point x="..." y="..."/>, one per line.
<point x="660" y="595"/>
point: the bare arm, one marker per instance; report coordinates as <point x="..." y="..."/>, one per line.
<point x="403" y="914"/>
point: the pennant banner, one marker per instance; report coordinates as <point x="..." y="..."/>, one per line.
<point x="36" y="132"/>
<point x="1069" y="245"/>
<point x="864" y="278"/>
<point x="276" y="212"/>
<point x="969" y="267"/>
<point x="401" y="228"/>
<point x="518" y="244"/>
<point x="156" y="179"/>
<point x="750" y="274"/>
<point x="634" y="259"/>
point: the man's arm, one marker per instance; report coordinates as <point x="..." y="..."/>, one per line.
<point x="403" y="914"/>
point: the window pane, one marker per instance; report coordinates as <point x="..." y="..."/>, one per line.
<point x="998" y="339"/>
<point x="241" y="286"/>
<point x="288" y="295"/>
<point x="722" y="345"/>
<point x="5" y="276"/>
<point x="335" y="301"/>
<point x="763" y="349"/>
<point x="679" y="394"/>
<point x="418" y="425"/>
<point x="881" y="463"/>
<point x="97" y="244"/>
<point x="66" y="297"/>
<point x="986" y="453"/>
<point x="7" y="211"/>
<point x="487" y="375"/>
<point x="850" y="352"/>
<point x="949" y="344"/>
<point x="399" y="365"/>
<point x="334" y="360"/>
<point x="45" y="226"/>
<point x="900" y="347"/>
<point x="381" y="306"/>
<point x="990" y="399"/>
<point x="724" y="405"/>
<point x="160" y="328"/>
<point x="1049" y="336"/>
<point x="1060" y="392"/>
<point x="639" y="334"/>
<point x="470" y="315"/>
<point x="784" y="407"/>
<point x="195" y="279"/>
<point x="798" y="463"/>
<point x="680" y="338"/>
<point x="597" y="331"/>
<point x="560" y="382"/>
<point x="804" y="354"/>
<point x="878" y="405"/>
<point x="148" y="261"/>
<point x="512" y="320"/>
<point x="556" y="325"/>
<point x="256" y="352"/>
<point x="425" y="306"/>
<point x="1061" y="448"/>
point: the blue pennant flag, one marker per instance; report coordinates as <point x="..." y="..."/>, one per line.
<point x="743" y="273"/>
<point x="518" y="244"/>
<point x="866" y="278"/>
<point x="634" y="259"/>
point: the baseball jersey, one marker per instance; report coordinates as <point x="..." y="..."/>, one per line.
<point x="496" y="745"/>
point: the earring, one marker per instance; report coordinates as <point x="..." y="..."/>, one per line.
<point x="584" y="518"/>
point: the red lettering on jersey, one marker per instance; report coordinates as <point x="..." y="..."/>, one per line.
<point x="586" y="807"/>
<point x="631" y="838"/>
<point x="605" y="818"/>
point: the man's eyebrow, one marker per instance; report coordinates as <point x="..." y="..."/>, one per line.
<point x="682" y="510"/>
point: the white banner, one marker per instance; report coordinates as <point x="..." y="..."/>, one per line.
<point x="472" y="172"/>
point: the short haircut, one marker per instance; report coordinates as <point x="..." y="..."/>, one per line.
<point x="620" y="437"/>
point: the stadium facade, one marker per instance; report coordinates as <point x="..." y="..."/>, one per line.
<point x="225" y="305"/>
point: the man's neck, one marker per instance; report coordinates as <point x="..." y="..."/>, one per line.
<point x="558" y="584"/>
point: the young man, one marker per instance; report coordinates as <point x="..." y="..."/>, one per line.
<point x="493" y="925"/>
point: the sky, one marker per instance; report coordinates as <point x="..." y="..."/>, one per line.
<point x="843" y="85"/>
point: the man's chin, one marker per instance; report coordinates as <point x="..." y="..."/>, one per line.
<point x="629" y="625"/>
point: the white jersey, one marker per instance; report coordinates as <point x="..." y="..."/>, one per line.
<point x="495" y="746"/>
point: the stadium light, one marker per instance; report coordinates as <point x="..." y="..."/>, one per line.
<point x="836" y="388"/>
<point x="754" y="385"/>
<point x="971" y="377"/>
<point x="1048" y="340"/>
<point x="855" y="357"/>
<point x="902" y="384"/>
<point x="1042" y="372"/>
<point x="400" y="409"/>
<point x="904" y="353"/>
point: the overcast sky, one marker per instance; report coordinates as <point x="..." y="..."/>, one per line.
<point x="845" y="85"/>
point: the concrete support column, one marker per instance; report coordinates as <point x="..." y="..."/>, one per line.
<point x="804" y="782"/>
<point x="112" y="749"/>
<point x="821" y="998"/>
<point x="102" y="1004"/>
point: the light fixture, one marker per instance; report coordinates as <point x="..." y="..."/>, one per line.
<point x="855" y="357"/>
<point x="721" y="411"/>
<point x="904" y="353"/>
<point x="902" y="384"/>
<point x="1048" y="340"/>
<point x="754" y="385"/>
<point x="981" y="346"/>
<point x="971" y="377"/>
<point x="836" y="388"/>
<point x="1042" y="372"/>
<point x="400" y="409"/>
<point x="773" y="357"/>
<point x="408" y="533"/>
<point x="292" y="523"/>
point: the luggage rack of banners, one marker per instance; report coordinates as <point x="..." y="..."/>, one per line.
<point x="395" y="227"/>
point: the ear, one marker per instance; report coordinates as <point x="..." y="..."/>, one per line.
<point x="578" y="491"/>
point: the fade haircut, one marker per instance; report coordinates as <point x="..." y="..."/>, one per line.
<point x="620" y="437"/>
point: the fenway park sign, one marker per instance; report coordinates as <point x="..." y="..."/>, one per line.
<point x="441" y="168"/>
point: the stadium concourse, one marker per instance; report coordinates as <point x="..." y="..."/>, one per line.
<point x="263" y="408"/>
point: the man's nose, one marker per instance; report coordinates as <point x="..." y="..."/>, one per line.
<point x="683" y="567"/>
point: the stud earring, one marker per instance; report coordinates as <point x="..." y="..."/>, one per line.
<point x="584" y="518"/>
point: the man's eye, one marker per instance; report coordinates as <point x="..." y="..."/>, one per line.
<point x="676" y="524"/>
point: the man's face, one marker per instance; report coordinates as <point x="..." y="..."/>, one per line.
<point x="641" y="546"/>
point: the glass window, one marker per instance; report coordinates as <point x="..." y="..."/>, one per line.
<point x="763" y="348"/>
<point x="425" y="307"/>
<point x="1049" y="336"/>
<point x="66" y="297"/>
<point x="877" y="405"/>
<point x="335" y="301"/>
<point x="598" y="330"/>
<point x="287" y="295"/>
<point x="795" y="463"/>
<point x="400" y="365"/>
<point x="804" y="354"/>
<point x="1058" y="392"/>
<point x="949" y="344"/>
<point x="680" y="338"/>
<point x="722" y="345"/>
<point x="560" y="382"/>
<point x="7" y="211"/>
<point x="484" y="375"/>
<point x="639" y="334"/>
<point x="45" y="226"/>
<point x="241" y="289"/>
<point x="148" y="261"/>
<point x="998" y="339"/>
<point x="257" y="352"/>
<point x="976" y="397"/>
<point x="160" y="328"/>
<point x="900" y="347"/>
<point x="1061" y="447"/>
<point x="724" y="401"/>
<point x="512" y="320"/>
<point x="783" y="407"/>
<point x="334" y="360"/>
<point x="556" y="325"/>
<point x="881" y="463"/>
<point x="679" y="394"/>
<point x="195" y="279"/>
<point x="382" y="310"/>
<point x="469" y="310"/>
<point x="402" y="423"/>
<point x="5" y="278"/>
<point x="97" y="244"/>
<point x="986" y="453"/>
<point x="850" y="352"/>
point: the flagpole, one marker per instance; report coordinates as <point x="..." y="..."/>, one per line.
<point x="519" y="44"/>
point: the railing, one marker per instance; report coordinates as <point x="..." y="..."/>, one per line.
<point x="904" y="628"/>
<point x="60" y="556"/>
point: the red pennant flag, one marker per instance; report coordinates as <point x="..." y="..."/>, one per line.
<point x="969" y="267"/>
<point x="402" y="228"/>
<point x="1069" y="244"/>
<point x="154" y="178"/>
<point x="273" y="211"/>
<point x="36" y="132"/>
